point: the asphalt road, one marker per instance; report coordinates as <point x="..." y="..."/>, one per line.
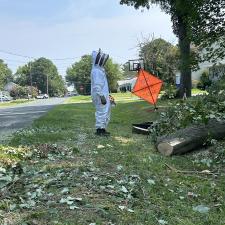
<point x="19" y="116"/>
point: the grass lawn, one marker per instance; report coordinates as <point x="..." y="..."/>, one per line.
<point x="14" y="102"/>
<point x="120" y="97"/>
<point x="196" y="91"/>
<point x="74" y="177"/>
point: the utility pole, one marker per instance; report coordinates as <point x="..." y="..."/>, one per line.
<point x="47" y="85"/>
<point x="31" y="83"/>
<point x="1" y="96"/>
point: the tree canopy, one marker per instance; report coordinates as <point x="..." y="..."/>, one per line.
<point x="161" y="58"/>
<point x="42" y="74"/>
<point x="79" y="74"/>
<point x="200" y="22"/>
<point x="126" y="73"/>
<point x="5" y="74"/>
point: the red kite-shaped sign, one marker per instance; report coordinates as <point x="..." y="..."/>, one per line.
<point x="147" y="87"/>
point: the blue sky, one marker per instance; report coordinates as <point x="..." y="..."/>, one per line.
<point x="59" y="29"/>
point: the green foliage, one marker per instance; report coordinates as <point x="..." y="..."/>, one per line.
<point x="5" y="74"/>
<point x="126" y="73"/>
<point x="15" y="92"/>
<point x="217" y="85"/>
<point x="196" y="21"/>
<point x="208" y="28"/>
<point x="169" y="92"/>
<point x="113" y="73"/>
<point x="33" y="91"/>
<point x="23" y="92"/>
<point x="198" y="110"/>
<point x="205" y="81"/>
<point x="161" y="57"/>
<point x="22" y="76"/>
<point x="41" y="72"/>
<point x="9" y="156"/>
<point x="45" y="72"/>
<point x="204" y="20"/>
<point x="80" y="74"/>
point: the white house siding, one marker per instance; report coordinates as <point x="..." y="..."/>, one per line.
<point x="202" y="67"/>
<point x="128" y="83"/>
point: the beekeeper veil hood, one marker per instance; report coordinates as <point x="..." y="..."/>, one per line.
<point x="99" y="58"/>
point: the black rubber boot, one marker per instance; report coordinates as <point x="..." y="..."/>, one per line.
<point x="102" y="132"/>
<point x="98" y="132"/>
<point x="105" y="133"/>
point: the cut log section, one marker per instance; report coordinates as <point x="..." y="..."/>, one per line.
<point x="190" y="138"/>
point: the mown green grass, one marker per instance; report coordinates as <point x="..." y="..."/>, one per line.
<point x="14" y="102"/>
<point x="198" y="91"/>
<point x="128" y="96"/>
<point x="99" y="168"/>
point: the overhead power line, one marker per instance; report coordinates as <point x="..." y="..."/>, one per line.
<point x="12" y="60"/>
<point x="56" y="59"/>
<point x="66" y="58"/>
<point x="31" y="57"/>
<point x="15" y="54"/>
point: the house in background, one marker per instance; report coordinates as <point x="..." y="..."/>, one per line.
<point x="206" y="66"/>
<point x="126" y="85"/>
<point x="215" y="71"/>
<point x="71" y="90"/>
<point x="10" y="86"/>
<point x="213" y="68"/>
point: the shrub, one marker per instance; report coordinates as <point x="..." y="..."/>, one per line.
<point x="205" y="81"/>
<point x="197" y="110"/>
<point x="170" y="92"/>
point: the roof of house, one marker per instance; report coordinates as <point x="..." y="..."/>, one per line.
<point x="129" y="81"/>
<point x="9" y="86"/>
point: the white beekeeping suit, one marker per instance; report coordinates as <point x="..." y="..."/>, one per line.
<point x="100" y="92"/>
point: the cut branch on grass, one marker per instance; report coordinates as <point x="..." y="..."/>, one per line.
<point x="9" y="187"/>
<point x="203" y="172"/>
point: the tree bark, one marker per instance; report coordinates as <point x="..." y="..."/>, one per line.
<point x="185" y="58"/>
<point x="190" y="138"/>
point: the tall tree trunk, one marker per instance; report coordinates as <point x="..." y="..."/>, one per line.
<point x="185" y="58"/>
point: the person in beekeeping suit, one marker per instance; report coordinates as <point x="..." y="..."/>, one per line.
<point x="100" y="92"/>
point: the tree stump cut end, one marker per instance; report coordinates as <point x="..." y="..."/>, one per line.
<point x="167" y="148"/>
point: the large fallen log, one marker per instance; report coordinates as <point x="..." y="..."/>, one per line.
<point x="190" y="138"/>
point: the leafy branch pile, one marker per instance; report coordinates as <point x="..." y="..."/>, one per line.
<point x="55" y="180"/>
<point x="10" y="166"/>
<point x="12" y="158"/>
<point x="198" y="110"/>
<point x="21" y="186"/>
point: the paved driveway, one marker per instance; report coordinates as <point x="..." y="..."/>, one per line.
<point x="16" y="117"/>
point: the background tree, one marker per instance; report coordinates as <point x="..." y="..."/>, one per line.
<point x="114" y="73"/>
<point x="21" y="92"/>
<point x="5" y="74"/>
<point x="161" y="57"/>
<point x="22" y="76"/>
<point x="195" y="21"/>
<point x="126" y="73"/>
<point x="205" y="81"/>
<point x="79" y="74"/>
<point x="44" y="76"/>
